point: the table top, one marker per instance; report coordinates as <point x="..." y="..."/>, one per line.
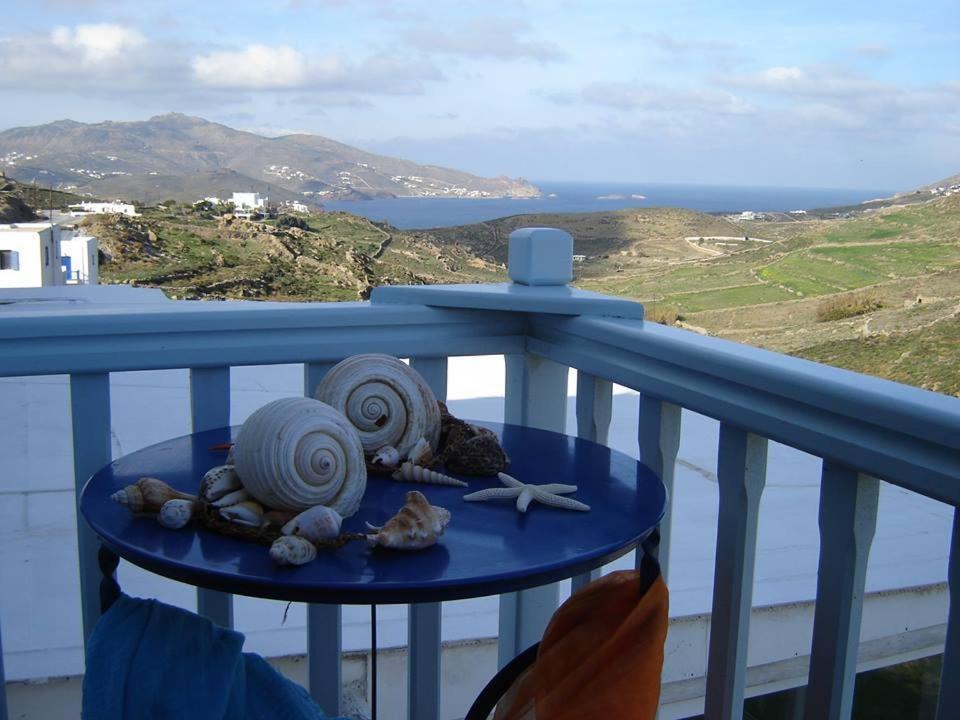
<point x="488" y="547"/>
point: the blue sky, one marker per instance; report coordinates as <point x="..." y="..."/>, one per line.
<point x="854" y="94"/>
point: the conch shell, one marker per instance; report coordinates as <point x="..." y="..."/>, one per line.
<point x="292" y="550"/>
<point x="148" y="495"/>
<point x="386" y="400"/>
<point x="414" y="473"/>
<point x="417" y="525"/>
<point x="176" y="513"/>
<point x="219" y="481"/>
<point x="316" y="524"/>
<point x="295" y="453"/>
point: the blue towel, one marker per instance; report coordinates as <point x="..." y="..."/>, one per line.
<point x="150" y="661"/>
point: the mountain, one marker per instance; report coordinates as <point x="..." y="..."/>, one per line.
<point x="186" y="157"/>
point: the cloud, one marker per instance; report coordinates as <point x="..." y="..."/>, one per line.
<point x="256" y="67"/>
<point x="489" y="37"/>
<point x="671" y="44"/>
<point x="815" y="81"/>
<point x="632" y="97"/>
<point x="872" y="50"/>
<point x="97" y="43"/>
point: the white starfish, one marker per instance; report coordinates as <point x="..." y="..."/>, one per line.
<point x="550" y="494"/>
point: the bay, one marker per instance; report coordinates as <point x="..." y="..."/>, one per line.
<point x="568" y="197"/>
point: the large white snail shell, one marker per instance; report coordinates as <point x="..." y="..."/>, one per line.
<point x="292" y="550"/>
<point x="317" y="523"/>
<point x="386" y="400"/>
<point x="295" y="453"/>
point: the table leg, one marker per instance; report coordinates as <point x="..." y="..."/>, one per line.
<point x="373" y="662"/>
<point x="109" y="587"/>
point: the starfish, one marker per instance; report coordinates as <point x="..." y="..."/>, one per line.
<point x="550" y="494"/>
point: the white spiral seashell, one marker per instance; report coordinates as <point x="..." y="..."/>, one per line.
<point x="174" y="514"/>
<point x="414" y="473"/>
<point x="295" y="453"/>
<point x="317" y="523"/>
<point x="386" y="400"/>
<point x="387" y="456"/>
<point x="292" y="550"/>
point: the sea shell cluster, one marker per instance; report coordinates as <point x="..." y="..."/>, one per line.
<point x="295" y="453"/>
<point x="299" y="465"/>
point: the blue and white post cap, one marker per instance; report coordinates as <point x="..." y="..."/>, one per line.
<point x="540" y="256"/>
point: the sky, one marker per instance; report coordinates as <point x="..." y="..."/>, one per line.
<point x="817" y="94"/>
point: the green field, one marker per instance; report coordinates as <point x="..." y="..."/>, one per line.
<point x="728" y="297"/>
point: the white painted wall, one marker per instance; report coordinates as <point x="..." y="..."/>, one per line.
<point x="84" y="265"/>
<point x="248" y="200"/>
<point x="38" y="255"/>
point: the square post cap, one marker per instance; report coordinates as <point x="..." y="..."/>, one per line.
<point x="540" y="256"/>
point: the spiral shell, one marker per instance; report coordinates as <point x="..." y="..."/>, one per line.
<point x="414" y="473"/>
<point x="295" y="453"/>
<point x="148" y="495"/>
<point x="292" y="550"/>
<point x="417" y="525"/>
<point x="176" y="513"/>
<point x="386" y="400"/>
<point x="317" y="523"/>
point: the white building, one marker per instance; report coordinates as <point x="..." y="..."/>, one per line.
<point x="43" y="255"/>
<point x="298" y="207"/>
<point x="30" y="255"/>
<point x="79" y="259"/>
<point x="249" y="201"/>
<point x="97" y="208"/>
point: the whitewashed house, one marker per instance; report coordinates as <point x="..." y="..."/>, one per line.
<point x="249" y="201"/>
<point x="79" y="259"/>
<point x="30" y="255"/>
<point x="41" y="254"/>
<point x="99" y="208"/>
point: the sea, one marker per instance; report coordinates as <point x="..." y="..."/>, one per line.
<point x="571" y="197"/>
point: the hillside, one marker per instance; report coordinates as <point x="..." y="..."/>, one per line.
<point x="338" y="257"/>
<point x="132" y="157"/>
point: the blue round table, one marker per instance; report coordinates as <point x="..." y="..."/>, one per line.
<point x="488" y="548"/>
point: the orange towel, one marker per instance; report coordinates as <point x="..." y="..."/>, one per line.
<point x="600" y="657"/>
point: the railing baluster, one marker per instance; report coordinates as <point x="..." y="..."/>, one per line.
<point x="741" y="472"/>
<point x="324" y="629"/>
<point x="3" y="685"/>
<point x="424" y="619"/>
<point x="536" y="396"/>
<point x="594" y="411"/>
<point x="658" y="434"/>
<point x="209" y="409"/>
<point x="948" y="703"/>
<point x="90" y="414"/>
<point x="848" y="519"/>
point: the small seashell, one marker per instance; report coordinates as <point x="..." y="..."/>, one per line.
<point x="248" y="512"/>
<point x="148" y="495"/>
<point x="232" y="498"/>
<point x="418" y="524"/>
<point x="421" y="453"/>
<point x="219" y="481"/>
<point x="317" y="523"/>
<point x="276" y="519"/>
<point x="387" y="456"/>
<point x="176" y="513"/>
<point x="292" y="550"/>
<point x="414" y="473"/>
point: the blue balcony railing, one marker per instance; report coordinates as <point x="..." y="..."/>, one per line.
<point x="866" y="431"/>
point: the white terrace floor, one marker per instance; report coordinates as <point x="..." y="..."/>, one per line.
<point x="40" y="612"/>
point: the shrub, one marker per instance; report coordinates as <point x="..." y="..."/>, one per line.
<point x="289" y="221"/>
<point x="663" y="314"/>
<point x="849" y="305"/>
